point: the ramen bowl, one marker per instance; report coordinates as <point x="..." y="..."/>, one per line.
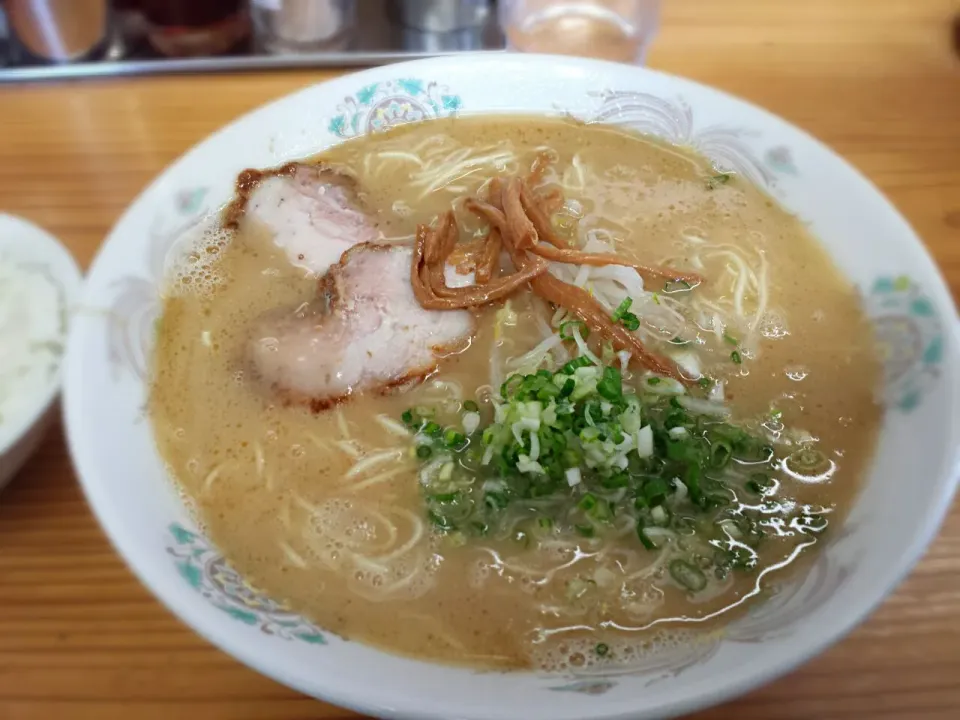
<point x="107" y="370"/>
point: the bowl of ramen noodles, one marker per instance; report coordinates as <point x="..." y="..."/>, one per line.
<point x="593" y="394"/>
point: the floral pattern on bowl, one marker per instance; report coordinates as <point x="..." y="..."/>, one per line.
<point x="673" y="120"/>
<point x="207" y="572"/>
<point x="382" y="105"/>
<point x="136" y="305"/>
<point x="910" y="336"/>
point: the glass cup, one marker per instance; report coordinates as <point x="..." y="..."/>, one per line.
<point x="618" y="30"/>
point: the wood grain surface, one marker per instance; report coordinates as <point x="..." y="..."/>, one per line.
<point x="80" y="638"/>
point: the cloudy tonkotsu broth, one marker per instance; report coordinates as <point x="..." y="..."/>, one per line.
<point x="335" y="512"/>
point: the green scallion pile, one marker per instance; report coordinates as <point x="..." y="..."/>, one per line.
<point x="575" y="451"/>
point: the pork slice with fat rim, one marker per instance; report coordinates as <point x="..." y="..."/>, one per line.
<point x="314" y="213"/>
<point x="364" y="332"/>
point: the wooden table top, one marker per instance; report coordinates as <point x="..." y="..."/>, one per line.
<point x="80" y="638"/>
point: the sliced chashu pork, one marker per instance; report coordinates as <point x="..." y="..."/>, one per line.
<point x="364" y="332"/>
<point x="313" y="212"/>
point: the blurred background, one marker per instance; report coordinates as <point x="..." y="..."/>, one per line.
<point x="51" y="38"/>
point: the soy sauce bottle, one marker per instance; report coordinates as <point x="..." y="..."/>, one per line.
<point x="195" y="28"/>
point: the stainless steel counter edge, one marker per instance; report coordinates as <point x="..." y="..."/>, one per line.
<point x="125" y="68"/>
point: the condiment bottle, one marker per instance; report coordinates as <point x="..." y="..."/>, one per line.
<point x="185" y="28"/>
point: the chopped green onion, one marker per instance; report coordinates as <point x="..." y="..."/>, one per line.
<point x="441" y="522"/>
<point x="610" y="386"/>
<point x="655" y="491"/>
<point x="547" y="391"/>
<point x="407" y="417"/>
<point x="511" y="385"/>
<point x="688" y="575"/>
<point x="623" y="316"/>
<point x="600" y="513"/>
<point x="630" y="322"/>
<point x="691" y="478"/>
<point x="704" y="382"/>
<point x="453" y="439"/>
<point x="573" y="365"/>
<point x="613" y="482"/>
<point x="584" y="330"/>
<point x="622" y="308"/>
<point x="656" y="298"/>
<point x="586" y="531"/>
<point x="495" y="500"/>
<point x="644" y="539"/>
<point x="602" y="649"/>
<point x="735" y="356"/>
<point x="593" y="448"/>
<point x="729" y="339"/>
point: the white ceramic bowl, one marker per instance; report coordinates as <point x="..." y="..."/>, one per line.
<point x="25" y="245"/>
<point x="905" y="497"/>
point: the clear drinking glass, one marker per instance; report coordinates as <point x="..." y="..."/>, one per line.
<point x="618" y="30"/>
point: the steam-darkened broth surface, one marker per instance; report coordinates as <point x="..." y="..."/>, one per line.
<point x="347" y="514"/>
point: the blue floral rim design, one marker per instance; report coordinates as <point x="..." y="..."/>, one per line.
<point x="382" y="105"/>
<point x="207" y="572"/>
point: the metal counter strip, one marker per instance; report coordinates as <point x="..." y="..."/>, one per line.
<point x="216" y="64"/>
